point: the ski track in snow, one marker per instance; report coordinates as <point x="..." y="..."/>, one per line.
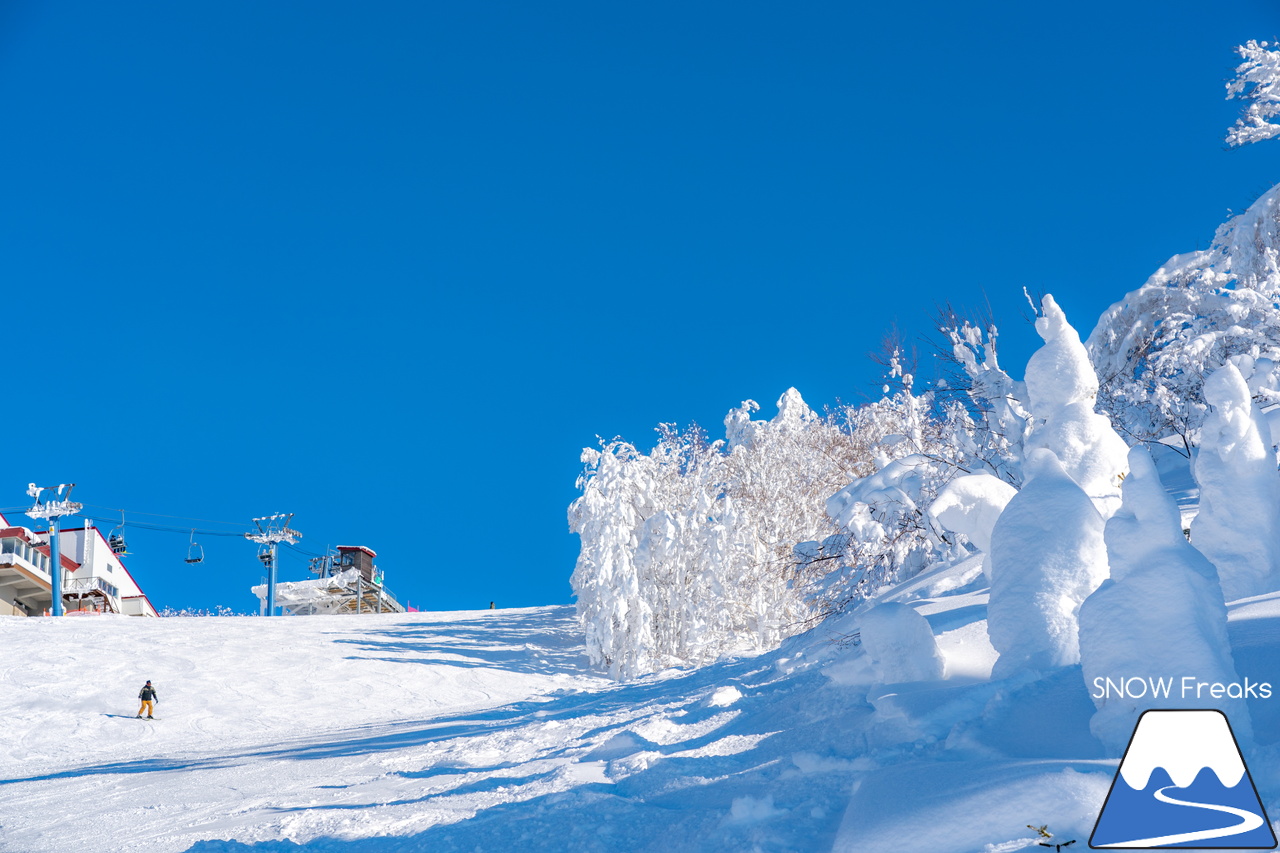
<point x="487" y="731"/>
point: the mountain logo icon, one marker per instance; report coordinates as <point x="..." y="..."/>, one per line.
<point x="1183" y="783"/>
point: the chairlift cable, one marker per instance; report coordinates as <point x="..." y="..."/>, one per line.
<point x="162" y="515"/>
<point x="195" y="552"/>
<point x="293" y="547"/>
<point x="164" y="528"/>
<point x="142" y="525"/>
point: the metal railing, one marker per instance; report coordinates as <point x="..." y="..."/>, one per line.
<point x="80" y="586"/>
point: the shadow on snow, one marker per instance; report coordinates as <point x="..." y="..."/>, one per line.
<point x="513" y="641"/>
<point x="636" y="812"/>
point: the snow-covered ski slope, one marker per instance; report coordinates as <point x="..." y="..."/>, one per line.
<point x="485" y="731"/>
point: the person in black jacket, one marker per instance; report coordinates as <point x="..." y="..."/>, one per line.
<point x="149" y="699"/>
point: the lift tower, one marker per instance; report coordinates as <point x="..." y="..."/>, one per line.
<point x="272" y="530"/>
<point x="52" y="510"/>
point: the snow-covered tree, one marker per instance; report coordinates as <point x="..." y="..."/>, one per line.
<point x="1047" y="556"/>
<point x="1160" y="614"/>
<point x="1153" y="348"/>
<point x="608" y="518"/>
<point x="1238" y="525"/>
<point x="1001" y="419"/>
<point x="975" y="421"/>
<point x="1143" y="353"/>
<point x="688" y="551"/>
<point x="778" y="475"/>
<point x="1062" y="392"/>
<point x="700" y="549"/>
<point x="886" y="533"/>
<point x="1248" y="243"/>
<point x="1047" y="551"/>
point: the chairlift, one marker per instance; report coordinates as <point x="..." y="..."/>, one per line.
<point x="264" y="554"/>
<point x="116" y="538"/>
<point x="195" y="552"/>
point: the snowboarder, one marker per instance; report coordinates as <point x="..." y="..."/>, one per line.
<point x="149" y="699"/>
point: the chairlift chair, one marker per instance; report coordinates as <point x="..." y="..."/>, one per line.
<point x="115" y="540"/>
<point x="195" y="552"/>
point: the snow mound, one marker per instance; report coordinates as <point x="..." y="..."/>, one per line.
<point x="970" y="506"/>
<point x="900" y="645"/>
<point x="724" y="697"/>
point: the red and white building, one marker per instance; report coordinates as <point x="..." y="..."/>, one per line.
<point x="94" y="579"/>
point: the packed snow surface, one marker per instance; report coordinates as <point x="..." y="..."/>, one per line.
<point x="487" y="731"/>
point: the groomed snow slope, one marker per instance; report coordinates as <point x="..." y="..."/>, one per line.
<point x="484" y="731"/>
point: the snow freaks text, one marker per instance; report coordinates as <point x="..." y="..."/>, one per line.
<point x="1185" y="687"/>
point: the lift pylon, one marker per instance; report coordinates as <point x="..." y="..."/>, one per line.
<point x="272" y="530"/>
<point x="54" y="510"/>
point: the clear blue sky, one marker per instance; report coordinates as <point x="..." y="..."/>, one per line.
<point x="390" y="266"/>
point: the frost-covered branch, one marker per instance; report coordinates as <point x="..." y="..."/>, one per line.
<point x="1257" y="80"/>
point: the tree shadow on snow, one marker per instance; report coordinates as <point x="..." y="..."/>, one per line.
<point x="510" y="640"/>
<point x="723" y="778"/>
<point x="772" y="769"/>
